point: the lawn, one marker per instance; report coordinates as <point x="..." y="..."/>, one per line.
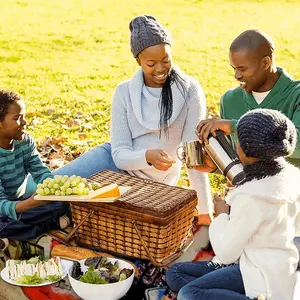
<point x="66" y="56"/>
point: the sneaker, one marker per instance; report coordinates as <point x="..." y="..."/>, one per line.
<point x="64" y="222"/>
<point x="4" y="244"/>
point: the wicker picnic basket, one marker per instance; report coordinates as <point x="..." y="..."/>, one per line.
<point x="150" y="221"/>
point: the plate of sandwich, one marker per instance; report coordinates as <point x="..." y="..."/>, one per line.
<point x="35" y="272"/>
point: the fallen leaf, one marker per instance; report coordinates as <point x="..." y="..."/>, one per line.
<point x="59" y="140"/>
<point x="70" y="123"/>
<point x="83" y="136"/>
<point x="50" y="111"/>
<point x="79" y="115"/>
<point x="33" y="114"/>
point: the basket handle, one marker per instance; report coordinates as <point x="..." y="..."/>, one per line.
<point x="74" y="230"/>
<point x="169" y="259"/>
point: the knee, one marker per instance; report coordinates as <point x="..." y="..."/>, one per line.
<point x="64" y="207"/>
<point x="172" y="276"/>
<point x="184" y="294"/>
<point x="189" y="292"/>
<point x="61" y="207"/>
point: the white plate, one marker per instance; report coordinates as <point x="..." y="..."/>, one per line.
<point x="66" y="265"/>
<point x="76" y="198"/>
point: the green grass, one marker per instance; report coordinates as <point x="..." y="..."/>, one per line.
<point x="69" y="55"/>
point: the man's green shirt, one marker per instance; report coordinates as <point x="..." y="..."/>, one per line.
<point x="284" y="96"/>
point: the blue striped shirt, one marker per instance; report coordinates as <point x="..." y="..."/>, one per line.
<point x="15" y="165"/>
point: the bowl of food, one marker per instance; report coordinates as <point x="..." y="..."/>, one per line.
<point x="109" y="277"/>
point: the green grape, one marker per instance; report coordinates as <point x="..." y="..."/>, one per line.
<point x="74" y="183"/>
<point x="46" y="191"/>
<point x="66" y="184"/>
<point x="81" y="185"/>
<point x="75" y="190"/>
<point x="65" y="178"/>
<point x="50" y="184"/>
<point x="69" y="191"/>
<point x="57" y="193"/>
<point x="84" y="180"/>
<point x="72" y="177"/>
<point x="80" y="192"/>
<point x="63" y="188"/>
<point x="40" y="191"/>
<point x="62" y="193"/>
<point x="40" y="186"/>
<point x="52" y="191"/>
<point x="56" y="186"/>
<point x="47" y="180"/>
<point x="86" y="191"/>
<point x="57" y="178"/>
<point x="95" y="186"/>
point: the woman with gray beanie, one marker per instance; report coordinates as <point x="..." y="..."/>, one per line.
<point x="255" y="257"/>
<point x="155" y="111"/>
<point x="152" y="114"/>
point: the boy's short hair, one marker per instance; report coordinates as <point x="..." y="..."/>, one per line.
<point x="7" y="98"/>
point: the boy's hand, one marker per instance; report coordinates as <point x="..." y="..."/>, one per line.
<point x="29" y="203"/>
<point x="159" y="159"/>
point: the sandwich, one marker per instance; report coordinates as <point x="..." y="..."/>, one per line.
<point x="34" y="270"/>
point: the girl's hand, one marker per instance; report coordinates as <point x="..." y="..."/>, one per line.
<point x="220" y="206"/>
<point x="159" y="159"/>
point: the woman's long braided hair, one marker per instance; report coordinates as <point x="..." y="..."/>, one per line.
<point x="166" y="100"/>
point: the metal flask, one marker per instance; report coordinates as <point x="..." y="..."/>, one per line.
<point x="226" y="159"/>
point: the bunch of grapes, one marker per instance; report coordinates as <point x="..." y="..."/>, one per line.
<point x="65" y="186"/>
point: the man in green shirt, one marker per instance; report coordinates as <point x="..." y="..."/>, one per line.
<point x="262" y="85"/>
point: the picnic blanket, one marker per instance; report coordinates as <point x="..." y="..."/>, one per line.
<point x="148" y="285"/>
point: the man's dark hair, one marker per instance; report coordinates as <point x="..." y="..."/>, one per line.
<point x="7" y="98"/>
<point x="254" y="40"/>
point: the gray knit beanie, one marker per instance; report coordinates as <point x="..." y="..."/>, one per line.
<point x="266" y="134"/>
<point x="146" y="32"/>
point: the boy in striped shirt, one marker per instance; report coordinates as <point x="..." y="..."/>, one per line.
<point x="22" y="217"/>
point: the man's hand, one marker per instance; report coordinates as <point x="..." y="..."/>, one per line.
<point x="220" y="206"/>
<point x="205" y="127"/>
<point x="207" y="164"/>
<point x="159" y="159"/>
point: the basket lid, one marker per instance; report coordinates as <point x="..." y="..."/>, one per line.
<point x="146" y="196"/>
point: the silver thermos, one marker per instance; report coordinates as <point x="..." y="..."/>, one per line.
<point x="225" y="158"/>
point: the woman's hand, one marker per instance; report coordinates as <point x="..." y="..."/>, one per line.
<point x="205" y="127"/>
<point x="29" y="203"/>
<point x="220" y="206"/>
<point x="159" y="159"/>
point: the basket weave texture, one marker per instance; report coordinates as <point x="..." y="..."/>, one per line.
<point x="162" y="215"/>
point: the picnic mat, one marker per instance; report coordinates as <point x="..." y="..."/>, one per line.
<point x="148" y="285"/>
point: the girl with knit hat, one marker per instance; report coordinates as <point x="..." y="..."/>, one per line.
<point x="152" y="114"/>
<point x="253" y="241"/>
